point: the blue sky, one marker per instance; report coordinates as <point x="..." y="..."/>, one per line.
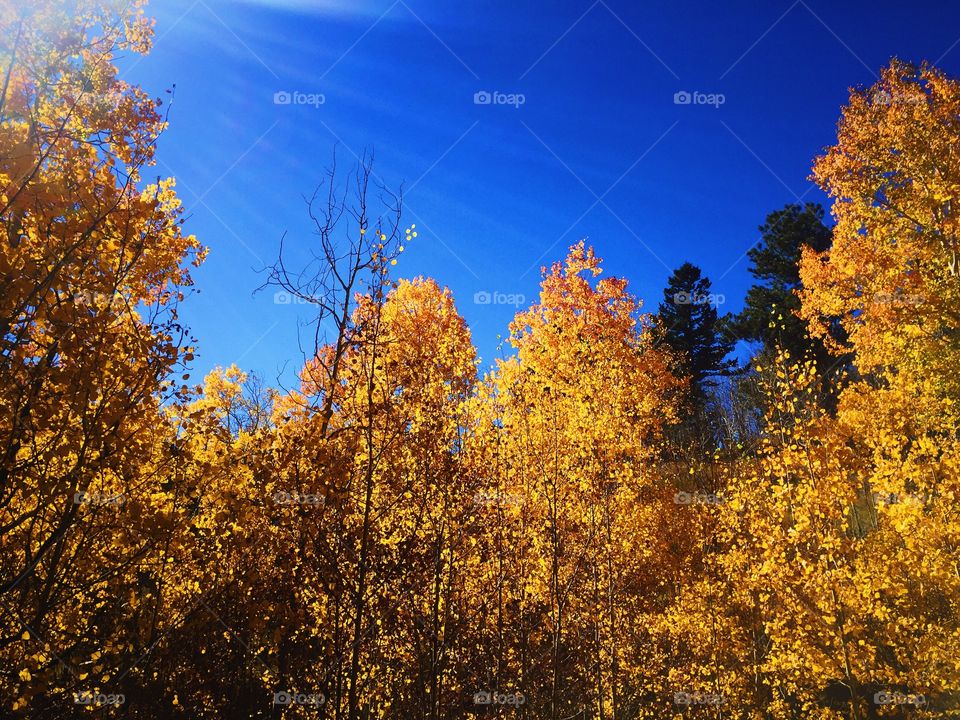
<point x="598" y="149"/>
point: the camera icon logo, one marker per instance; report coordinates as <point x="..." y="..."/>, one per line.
<point x="282" y="97"/>
<point x="682" y="498"/>
<point x="482" y="98"/>
<point x="482" y="297"/>
<point x="682" y="97"/>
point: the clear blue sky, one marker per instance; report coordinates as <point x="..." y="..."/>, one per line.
<point x="598" y="149"/>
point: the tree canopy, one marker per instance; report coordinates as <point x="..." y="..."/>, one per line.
<point x="405" y="534"/>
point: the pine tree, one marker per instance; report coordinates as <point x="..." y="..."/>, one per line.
<point x="769" y="315"/>
<point x="691" y="326"/>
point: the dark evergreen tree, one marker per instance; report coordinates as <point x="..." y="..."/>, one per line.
<point x="769" y="313"/>
<point x="691" y="326"/>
